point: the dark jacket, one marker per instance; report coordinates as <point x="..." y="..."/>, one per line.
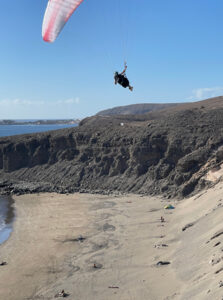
<point x="122" y="80"/>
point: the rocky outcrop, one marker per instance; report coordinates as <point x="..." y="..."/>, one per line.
<point x="169" y="154"/>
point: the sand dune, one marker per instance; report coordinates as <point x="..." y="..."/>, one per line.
<point x="128" y="252"/>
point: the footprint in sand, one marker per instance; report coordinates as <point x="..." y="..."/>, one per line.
<point x="108" y="227"/>
<point x="99" y="246"/>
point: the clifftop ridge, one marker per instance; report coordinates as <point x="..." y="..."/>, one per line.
<point x="168" y="152"/>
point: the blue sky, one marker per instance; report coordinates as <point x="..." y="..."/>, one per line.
<point x="174" y="52"/>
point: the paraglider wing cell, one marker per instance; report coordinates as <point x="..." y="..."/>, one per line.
<point x="57" y="14"/>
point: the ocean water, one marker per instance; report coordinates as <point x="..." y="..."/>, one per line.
<point x="6" y="217"/>
<point x="9" y="130"/>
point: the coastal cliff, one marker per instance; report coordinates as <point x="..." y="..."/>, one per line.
<point x="168" y="152"/>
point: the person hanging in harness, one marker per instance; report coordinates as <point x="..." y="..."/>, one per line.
<point x="122" y="79"/>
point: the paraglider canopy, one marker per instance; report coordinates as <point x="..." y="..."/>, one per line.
<point x="57" y="14"/>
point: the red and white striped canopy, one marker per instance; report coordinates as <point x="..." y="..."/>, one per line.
<point x="57" y="14"/>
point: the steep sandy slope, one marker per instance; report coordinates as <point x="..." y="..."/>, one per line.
<point x="115" y="247"/>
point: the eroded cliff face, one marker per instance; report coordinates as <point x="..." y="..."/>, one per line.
<point x="168" y="155"/>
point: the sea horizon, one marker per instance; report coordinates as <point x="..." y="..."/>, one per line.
<point x="10" y="130"/>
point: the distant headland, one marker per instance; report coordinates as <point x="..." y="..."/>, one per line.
<point x="39" y="122"/>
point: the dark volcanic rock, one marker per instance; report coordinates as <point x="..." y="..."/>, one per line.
<point x="162" y="263"/>
<point x="187" y="226"/>
<point x="167" y="152"/>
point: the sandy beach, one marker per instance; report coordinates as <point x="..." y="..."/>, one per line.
<point x="114" y="247"/>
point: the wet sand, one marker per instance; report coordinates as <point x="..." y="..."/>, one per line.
<point x="6" y="217"/>
<point x="125" y="240"/>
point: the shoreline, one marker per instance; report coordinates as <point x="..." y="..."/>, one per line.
<point x="7" y="217"/>
<point x="111" y="247"/>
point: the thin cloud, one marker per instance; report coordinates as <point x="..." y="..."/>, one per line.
<point x="69" y="101"/>
<point x="14" y="102"/>
<point x="204" y="93"/>
<point x="24" y="103"/>
<point x="40" y="109"/>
